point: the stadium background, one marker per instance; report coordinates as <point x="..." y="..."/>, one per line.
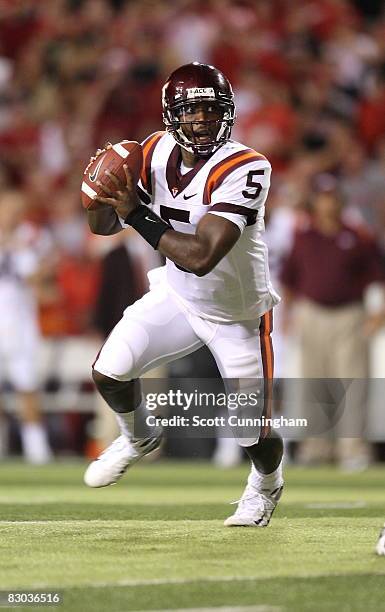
<point x="309" y="82"/>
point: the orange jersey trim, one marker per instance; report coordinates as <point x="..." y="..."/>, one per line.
<point x="148" y="150"/>
<point x="219" y="172"/>
<point x="265" y="329"/>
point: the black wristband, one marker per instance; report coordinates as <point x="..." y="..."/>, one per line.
<point x="147" y="224"/>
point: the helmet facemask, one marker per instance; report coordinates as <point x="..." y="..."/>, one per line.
<point x="188" y="132"/>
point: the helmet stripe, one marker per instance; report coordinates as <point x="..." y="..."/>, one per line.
<point x="221" y="170"/>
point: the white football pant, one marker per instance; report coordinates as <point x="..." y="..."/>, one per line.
<point x="157" y="330"/>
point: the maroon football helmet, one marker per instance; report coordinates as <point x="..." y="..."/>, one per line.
<point x="195" y="86"/>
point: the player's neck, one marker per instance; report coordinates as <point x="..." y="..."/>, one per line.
<point x="189" y="159"/>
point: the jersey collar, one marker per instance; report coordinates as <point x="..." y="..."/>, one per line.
<point x="175" y="180"/>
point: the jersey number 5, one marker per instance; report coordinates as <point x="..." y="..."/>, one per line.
<point x="251" y="182"/>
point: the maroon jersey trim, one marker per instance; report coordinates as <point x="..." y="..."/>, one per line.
<point x="222" y="170"/>
<point x="251" y="215"/>
<point x="175" y="180"/>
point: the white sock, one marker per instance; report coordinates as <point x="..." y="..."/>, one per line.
<point x="133" y="424"/>
<point x="266" y="482"/>
<point x="35" y="444"/>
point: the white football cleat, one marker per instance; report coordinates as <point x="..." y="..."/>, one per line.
<point x="117" y="458"/>
<point x="254" y="508"/>
<point x="380" y="548"/>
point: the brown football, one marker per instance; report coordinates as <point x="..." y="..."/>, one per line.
<point x="126" y="152"/>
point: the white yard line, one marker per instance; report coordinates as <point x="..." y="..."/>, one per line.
<point x="38" y="522"/>
<point x="181" y="581"/>
<point x="84" y="522"/>
<point x="336" y="505"/>
<point x="261" y="608"/>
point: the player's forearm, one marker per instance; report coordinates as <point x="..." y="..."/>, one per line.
<point x="188" y="251"/>
<point x="200" y="252"/>
<point x="196" y="253"/>
<point x="103" y="220"/>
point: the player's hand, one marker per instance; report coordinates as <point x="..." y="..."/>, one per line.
<point x="107" y="145"/>
<point x="124" y="198"/>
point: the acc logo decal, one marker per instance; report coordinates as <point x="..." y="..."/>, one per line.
<point x="200" y="92"/>
<point x="95" y="173"/>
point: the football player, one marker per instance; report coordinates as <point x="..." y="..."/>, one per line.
<point x="199" y="202"/>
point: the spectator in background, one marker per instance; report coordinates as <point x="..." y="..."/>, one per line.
<point x="327" y="271"/>
<point x="23" y="249"/>
<point x="272" y="125"/>
<point x="122" y="283"/>
<point x="281" y="221"/>
<point x="371" y="117"/>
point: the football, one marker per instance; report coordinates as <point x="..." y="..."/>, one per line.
<point x="125" y="152"/>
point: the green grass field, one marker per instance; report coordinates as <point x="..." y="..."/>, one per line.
<point x="155" y="541"/>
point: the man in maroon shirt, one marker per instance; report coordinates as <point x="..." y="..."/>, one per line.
<point x="327" y="273"/>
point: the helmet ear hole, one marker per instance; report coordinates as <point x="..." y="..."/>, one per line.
<point x="198" y="83"/>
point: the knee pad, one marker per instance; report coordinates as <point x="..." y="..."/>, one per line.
<point x="245" y="426"/>
<point x="121" y="395"/>
<point x="245" y="423"/>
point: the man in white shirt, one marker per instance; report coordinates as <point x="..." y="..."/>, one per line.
<point x="22" y="249"/>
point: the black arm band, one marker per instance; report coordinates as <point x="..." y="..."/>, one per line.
<point x="147" y="224"/>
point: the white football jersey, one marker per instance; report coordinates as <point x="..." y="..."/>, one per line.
<point x="233" y="183"/>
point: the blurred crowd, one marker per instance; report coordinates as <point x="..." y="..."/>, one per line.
<point x="309" y="84"/>
<point x="309" y="81"/>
